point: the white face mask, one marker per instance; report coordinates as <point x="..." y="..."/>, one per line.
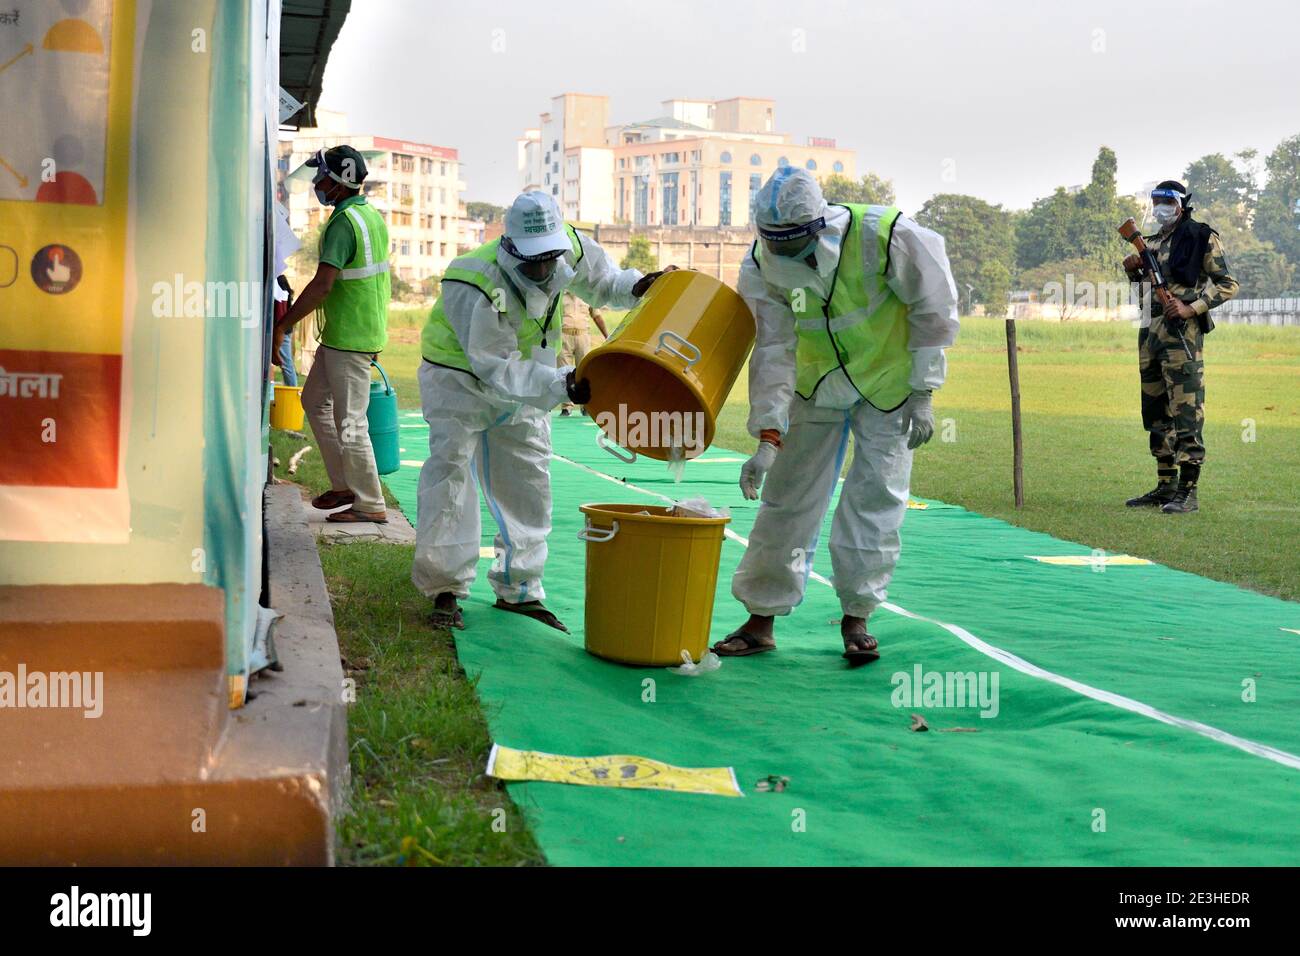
<point x="1165" y="213"/>
<point x="537" y="295"/>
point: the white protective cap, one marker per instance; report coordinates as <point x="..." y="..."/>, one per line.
<point x="534" y="226"/>
<point x="790" y="197"/>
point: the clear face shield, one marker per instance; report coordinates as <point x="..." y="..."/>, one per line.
<point x="320" y="183"/>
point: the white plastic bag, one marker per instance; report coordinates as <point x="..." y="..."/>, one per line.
<point x="699" y="508"/>
<point x="689" y="668"/>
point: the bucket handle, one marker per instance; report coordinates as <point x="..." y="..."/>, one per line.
<point x="596" y="535"/>
<point x="615" y="450"/>
<point x="684" y="343"/>
<point x="388" y="389"/>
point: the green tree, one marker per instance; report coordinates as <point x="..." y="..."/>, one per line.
<point x="995" y="287"/>
<point x="639" y="256"/>
<point x="871" y="189"/>
<point x="975" y="233"/>
<point x="1213" y="179"/>
<point x="1043" y="231"/>
<point x="1063" y="227"/>
<point x="1264" y="273"/>
<point x="1070" y="286"/>
<point x="402" y="290"/>
<point x="1099" y="211"/>
<point x="1277" y="220"/>
<point x="485" y="211"/>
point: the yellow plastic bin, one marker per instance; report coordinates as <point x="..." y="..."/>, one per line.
<point x="286" y="408"/>
<point x="650" y="583"/>
<point x="675" y="356"/>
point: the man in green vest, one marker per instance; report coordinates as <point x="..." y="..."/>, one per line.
<point x="854" y="307"/>
<point x="351" y="286"/>
<point x="487" y="383"/>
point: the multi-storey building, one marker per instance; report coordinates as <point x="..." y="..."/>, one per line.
<point x="567" y="156"/>
<point x="700" y="164"/>
<point x="415" y="186"/>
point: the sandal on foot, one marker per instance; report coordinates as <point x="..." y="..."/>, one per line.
<point x="752" y="645"/>
<point x="333" y="499"/>
<point x="534" y="609"/>
<point x="352" y="515"/>
<point x="447" y="619"/>
<point x="860" y="648"/>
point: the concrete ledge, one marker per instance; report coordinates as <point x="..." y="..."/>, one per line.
<point x="297" y="716"/>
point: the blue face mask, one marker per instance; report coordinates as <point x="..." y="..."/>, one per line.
<point x="322" y="198"/>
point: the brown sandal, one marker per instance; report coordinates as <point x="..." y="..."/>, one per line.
<point x="333" y="499"/>
<point x="352" y="515"/>
<point x="753" y="645"/>
<point x="534" y="609"/>
<point x="860" y="648"/>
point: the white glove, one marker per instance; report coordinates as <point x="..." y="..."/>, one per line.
<point x="755" y="470"/>
<point x="920" y="419"/>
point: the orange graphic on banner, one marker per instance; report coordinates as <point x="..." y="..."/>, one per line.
<point x="60" y="411"/>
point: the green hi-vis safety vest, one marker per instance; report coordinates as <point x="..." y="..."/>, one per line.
<point x="356" y="309"/>
<point x="863" y="327"/>
<point x="438" y="342"/>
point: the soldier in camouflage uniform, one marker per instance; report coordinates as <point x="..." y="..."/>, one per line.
<point x="1170" y="361"/>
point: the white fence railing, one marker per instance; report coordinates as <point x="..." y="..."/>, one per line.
<point x="1259" y="312"/>
<point x="1275" y="312"/>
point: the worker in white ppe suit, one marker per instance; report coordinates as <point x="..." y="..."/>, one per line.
<point x="488" y="379"/>
<point x="854" y="307"/>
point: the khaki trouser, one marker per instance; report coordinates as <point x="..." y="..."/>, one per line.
<point x="336" y="397"/>
<point x="575" y="344"/>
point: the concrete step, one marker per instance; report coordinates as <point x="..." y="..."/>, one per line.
<point x="137" y="672"/>
<point x="167" y="774"/>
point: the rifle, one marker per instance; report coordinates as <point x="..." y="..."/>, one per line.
<point x="1128" y="230"/>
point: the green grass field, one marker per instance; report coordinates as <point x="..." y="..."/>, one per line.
<point x="417" y="734"/>
<point x="1085" y="450"/>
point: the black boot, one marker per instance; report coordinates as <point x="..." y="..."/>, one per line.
<point x="1183" y="501"/>
<point x="1160" y="495"/>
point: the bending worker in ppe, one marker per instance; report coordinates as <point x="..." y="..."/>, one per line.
<point x="854" y="307"/>
<point x="488" y="380"/>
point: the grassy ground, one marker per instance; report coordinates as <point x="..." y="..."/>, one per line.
<point x="419" y="740"/>
<point x="1085" y="450"/>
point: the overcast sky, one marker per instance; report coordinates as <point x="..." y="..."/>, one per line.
<point x="1001" y="99"/>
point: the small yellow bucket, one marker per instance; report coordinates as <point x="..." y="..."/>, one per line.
<point x="286" y="408"/>
<point x="650" y="583"/>
<point x="670" y="364"/>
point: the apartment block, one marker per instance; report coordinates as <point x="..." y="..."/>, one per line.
<point x="701" y="163"/>
<point x="415" y="186"/>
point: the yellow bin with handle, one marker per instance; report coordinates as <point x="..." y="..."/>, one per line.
<point x="286" y="408"/>
<point x="662" y="377"/>
<point x="650" y="582"/>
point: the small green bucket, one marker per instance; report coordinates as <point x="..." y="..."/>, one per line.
<point x="382" y="416"/>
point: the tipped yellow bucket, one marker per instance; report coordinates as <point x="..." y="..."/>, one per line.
<point x="670" y="365"/>
<point x="286" y="408"/>
<point x="650" y="583"/>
